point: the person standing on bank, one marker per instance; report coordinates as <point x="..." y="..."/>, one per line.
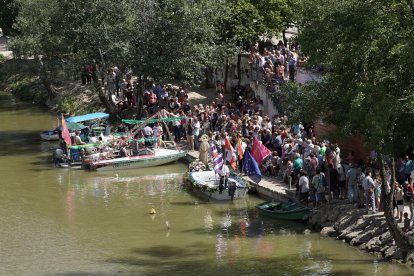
<point x="303" y="188"/>
<point x="369" y="186"/>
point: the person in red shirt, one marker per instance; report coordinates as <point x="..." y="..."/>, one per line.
<point x="408" y="192"/>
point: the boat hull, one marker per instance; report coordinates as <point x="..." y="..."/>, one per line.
<point x="136" y="162"/>
<point x="49" y="135"/>
<point x="206" y="185"/>
<point x="283" y="210"/>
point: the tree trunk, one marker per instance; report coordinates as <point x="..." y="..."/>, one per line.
<point x="239" y="68"/>
<point x="226" y="74"/>
<point x="140" y="92"/>
<point x="284" y="37"/>
<point x="109" y="105"/>
<point x="411" y="4"/>
<point x="206" y="72"/>
<point x="400" y="238"/>
<point x="47" y="83"/>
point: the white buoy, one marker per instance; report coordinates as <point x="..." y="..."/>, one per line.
<point x="167" y="223"/>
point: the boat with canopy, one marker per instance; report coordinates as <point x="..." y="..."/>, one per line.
<point x="73" y="123"/>
<point x="133" y="151"/>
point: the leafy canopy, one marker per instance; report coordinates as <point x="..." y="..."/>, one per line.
<point x="368" y="87"/>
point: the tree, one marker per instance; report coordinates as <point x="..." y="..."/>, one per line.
<point x="8" y="13"/>
<point x="159" y="39"/>
<point x="368" y="85"/>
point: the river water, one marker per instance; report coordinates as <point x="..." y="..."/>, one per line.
<point x="72" y="222"/>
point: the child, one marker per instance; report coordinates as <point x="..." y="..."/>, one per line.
<point x="407" y="222"/>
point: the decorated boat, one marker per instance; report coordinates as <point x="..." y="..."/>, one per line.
<point x="53" y="135"/>
<point x="207" y="184"/>
<point x="283" y="210"/>
<point x="150" y="158"/>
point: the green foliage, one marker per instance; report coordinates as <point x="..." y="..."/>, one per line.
<point x="26" y="88"/>
<point x="246" y="20"/>
<point x="368" y="89"/>
<point x="67" y="105"/>
<point x="8" y="13"/>
<point x="2" y="59"/>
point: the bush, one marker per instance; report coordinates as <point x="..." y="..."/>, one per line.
<point x="67" y="105"/>
<point x="2" y="59"/>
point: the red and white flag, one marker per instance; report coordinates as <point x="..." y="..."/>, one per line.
<point x="230" y="154"/>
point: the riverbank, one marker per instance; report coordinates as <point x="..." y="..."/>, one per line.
<point x="368" y="232"/>
<point x="22" y="79"/>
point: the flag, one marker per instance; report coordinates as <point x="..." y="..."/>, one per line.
<point x="218" y="163"/>
<point x="65" y="132"/>
<point x="259" y="151"/>
<point x="214" y="151"/>
<point x="239" y="148"/>
<point x="251" y="168"/>
<point x="230" y="155"/>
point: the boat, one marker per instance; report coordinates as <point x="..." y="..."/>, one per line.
<point x="283" y="210"/>
<point x="155" y="157"/>
<point x="53" y="135"/>
<point x="49" y="135"/>
<point x="207" y="184"/>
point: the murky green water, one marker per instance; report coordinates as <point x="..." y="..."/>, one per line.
<point x="70" y="222"/>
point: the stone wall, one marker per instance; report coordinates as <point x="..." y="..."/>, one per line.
<point x="367" y="232"/>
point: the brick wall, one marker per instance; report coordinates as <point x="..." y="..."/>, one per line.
<point x="347" y="144"/>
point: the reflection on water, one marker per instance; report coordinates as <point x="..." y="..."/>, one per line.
<point x="72" y="222"/>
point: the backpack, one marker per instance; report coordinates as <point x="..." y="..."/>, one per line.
<point x="324" y="182"/>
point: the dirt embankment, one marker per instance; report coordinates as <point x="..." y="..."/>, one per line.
<point x="367" y="232"/>
<point x="21" y="78"/>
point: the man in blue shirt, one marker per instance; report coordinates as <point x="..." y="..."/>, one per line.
<point x="297" y="166"/>
<point x="408" y="167"/>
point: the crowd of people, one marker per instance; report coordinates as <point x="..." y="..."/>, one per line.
<point x="318" y="169"/>
<point x="276" y="62"/>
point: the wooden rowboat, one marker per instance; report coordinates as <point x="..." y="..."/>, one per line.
<point x="283" y="210"/>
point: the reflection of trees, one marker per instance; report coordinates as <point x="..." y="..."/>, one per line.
<point x="125" y="187"/>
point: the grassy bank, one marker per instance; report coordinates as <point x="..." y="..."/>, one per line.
<point x="21" y="78"/>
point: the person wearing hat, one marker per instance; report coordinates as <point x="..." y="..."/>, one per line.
<point x="204" y="149"/>
<point x="77" y="139"/>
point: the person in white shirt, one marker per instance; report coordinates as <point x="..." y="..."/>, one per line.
<point x="303" y="187"/>
<point x="157" y="130"/>
<point x="147" y="132"/>
<point x="224" y="176"/>
<point x="369" y="186"/>
<point x="196" y="132"/>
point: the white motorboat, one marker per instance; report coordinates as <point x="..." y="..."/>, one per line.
<point x="160" y="156"/>
<point x="207" y="183"/>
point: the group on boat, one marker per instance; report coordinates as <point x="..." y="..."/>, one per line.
<point x="136" y="146"/>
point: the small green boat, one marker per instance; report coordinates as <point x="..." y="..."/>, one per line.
<point x="283" y="210"/>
